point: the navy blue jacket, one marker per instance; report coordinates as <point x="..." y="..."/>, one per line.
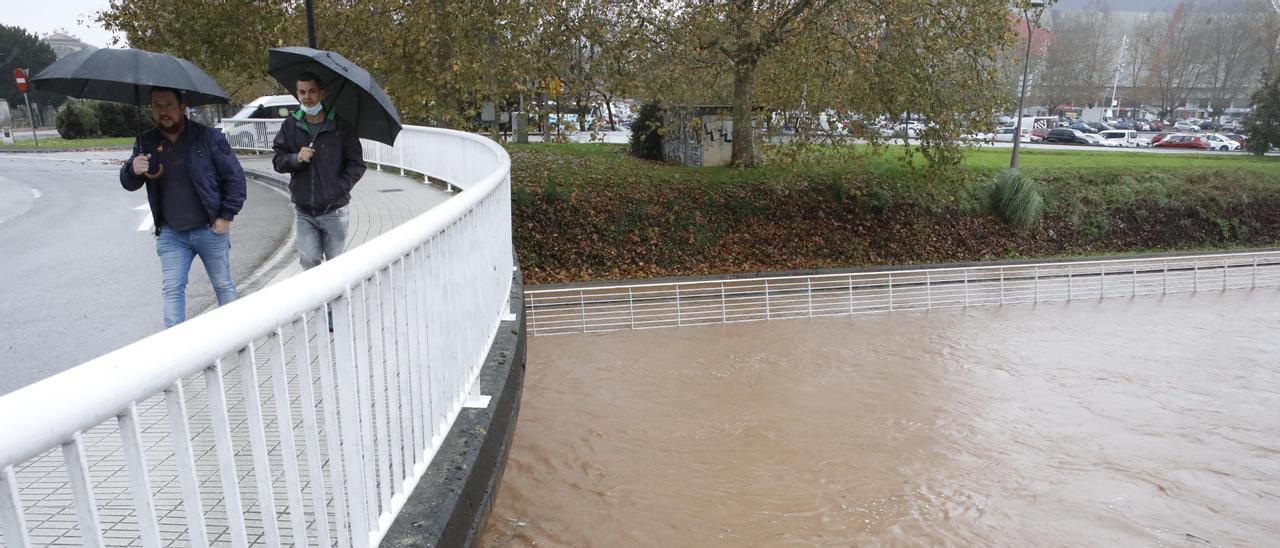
<point x="212" y="167"/>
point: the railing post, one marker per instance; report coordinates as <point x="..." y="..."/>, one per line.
<point x="1002" y="285"/>
<point x="724" y="309"/>
<point x="851" y="294"/>
<point x="1134" y="291"/>
<point x="809" y="284"/>
<point x="1069" y="282"/>
<point x="1164" y="290"/>
<point x="1195" y="275"/>
<point x="966" y="287"/>
<point x="582" y="310"/>
<point x="12" y="520"/>
<point x="631" y="306"/>
<point x="928" y="290"/>
<point x="891" y="292"/>
<point x="768" y="312"/>
<point x="1225" y="269"/>
<point x="1102" y="281"/>
<point x="1035" y="291"/>
<point x="1255" y="272"/>
<point x="679" y="319"/>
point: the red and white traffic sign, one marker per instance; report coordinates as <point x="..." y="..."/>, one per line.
<point x="20" y="76"/>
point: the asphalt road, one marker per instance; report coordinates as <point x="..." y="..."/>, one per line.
<point x="80" y="273"/>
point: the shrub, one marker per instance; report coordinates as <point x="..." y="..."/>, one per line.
<point x="118" y="119"/>
<point x="77" y="120"/>
<point x="646" y="138"/>
<point x="1016" y="199"/>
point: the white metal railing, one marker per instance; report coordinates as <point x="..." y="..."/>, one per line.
<point x="650" y="305"/>
<point x="257" y="135"/>
<point x="262" y="423"/>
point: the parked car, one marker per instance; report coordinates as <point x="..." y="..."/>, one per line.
<point x="1160" y="136"/>
<point x="1083" y="127"/>
<point x="1066" y="136"/>
<point x="1039" y="132"/>
<point x="1123" y="124"/>
<point x="1125" y="138"/>
<point x="1155" y="125"/>
<point x="1186" y="127"/>
<point x="1096" y="139"/>
<point x="1218" y="142"/>
<point x="1141" y="125"/>
<point x="268" y="107"/>
<point x="1209" y="125"/>
<point x="1244" y="141"/>
<point x="1005" y="135"/>
<point x="1182" y="140"/>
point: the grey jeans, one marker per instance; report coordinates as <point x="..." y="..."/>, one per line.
<point x="321" y="237"/>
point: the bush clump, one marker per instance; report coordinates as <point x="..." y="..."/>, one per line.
<point x="77" y="120"/>
<point x="646" y="136"/>
<point x="118" y="119"/>
<point x="1016" y="199"/>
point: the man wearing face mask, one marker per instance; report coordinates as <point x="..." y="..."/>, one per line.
<point x="323" y="158"/>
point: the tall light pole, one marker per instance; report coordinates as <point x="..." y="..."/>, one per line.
<point x="311" y="26"/>
<point x="1026" y="62"/>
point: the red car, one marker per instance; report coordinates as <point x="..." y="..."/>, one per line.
<point x="1183" y="141"/>
<point x="1159" y="137"/>
<point x="1039" y="132"/>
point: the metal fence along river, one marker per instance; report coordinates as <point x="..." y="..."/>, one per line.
<point x="652" y="305"/>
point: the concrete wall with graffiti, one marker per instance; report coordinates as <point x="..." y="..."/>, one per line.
<point x="699" y="136"/>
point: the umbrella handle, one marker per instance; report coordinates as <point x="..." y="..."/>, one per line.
<point x="158" y="174"/>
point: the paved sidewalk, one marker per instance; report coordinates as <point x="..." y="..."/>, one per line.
<point x="381" y="201"/>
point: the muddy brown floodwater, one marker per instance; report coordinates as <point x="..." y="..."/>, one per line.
<point x="1123" y="422"/>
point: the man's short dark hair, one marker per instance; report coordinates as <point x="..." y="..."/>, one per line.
<point x="182" y="100"/>
<point x="309" y="76"/>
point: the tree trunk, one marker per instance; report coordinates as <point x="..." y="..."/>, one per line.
<point x="608" y="105"/>
<point x="542" y="117"/>
<point x="744" y="139"/>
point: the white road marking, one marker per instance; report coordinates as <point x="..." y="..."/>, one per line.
<point x="147" y="223"/>
<point x="35" y="193"/>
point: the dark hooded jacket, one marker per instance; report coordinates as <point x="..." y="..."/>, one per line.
<point x="212" y="167"/>
<point x="324" y="183"/>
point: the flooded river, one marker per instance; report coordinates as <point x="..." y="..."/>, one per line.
<point x="1123" y="422"/>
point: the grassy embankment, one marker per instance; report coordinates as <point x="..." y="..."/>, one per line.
<point x="58" y="143"/>
<point x="584" y="212"/>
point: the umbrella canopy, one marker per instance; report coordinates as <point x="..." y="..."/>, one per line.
<point x="127" y="76"/>
<point x="350" y="92"/>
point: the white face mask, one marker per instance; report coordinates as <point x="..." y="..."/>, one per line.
<point x="313" y="109"/>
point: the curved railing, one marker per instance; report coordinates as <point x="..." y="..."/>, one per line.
<point x="160" y="442"/>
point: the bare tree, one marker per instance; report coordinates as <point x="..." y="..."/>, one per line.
<point x="1179" y="65"/>
<point x="1080" y="63"/>
<point x="1235" y="53"/>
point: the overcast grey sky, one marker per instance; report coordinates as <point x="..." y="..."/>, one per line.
<point x="42" y="17"/>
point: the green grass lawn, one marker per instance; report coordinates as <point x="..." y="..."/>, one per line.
<point x="58" y="143"/>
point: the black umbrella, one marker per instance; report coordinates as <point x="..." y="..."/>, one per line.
<point x="127" y="76"/>
<point x="350" y="92"/>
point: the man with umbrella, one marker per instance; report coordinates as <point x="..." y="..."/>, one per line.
<point x="319" y="146"/>
<point x="194" y="193"/>
<point x="195" y="186"/>
<point x="324" y="160"/>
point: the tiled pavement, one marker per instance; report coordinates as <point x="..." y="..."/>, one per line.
<point x="381" y="201"/>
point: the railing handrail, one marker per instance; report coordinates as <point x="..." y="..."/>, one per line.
<point x="894" y="271"/>
<point x="101" y="387"/>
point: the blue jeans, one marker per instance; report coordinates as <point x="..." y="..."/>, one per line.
<point x="321" y="237"/>
<point x="176" y="249"/>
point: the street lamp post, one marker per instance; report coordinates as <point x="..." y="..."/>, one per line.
<point x="311" y="26"/>
<point x="1026" y="61"/>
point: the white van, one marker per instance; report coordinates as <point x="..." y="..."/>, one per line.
<point x="1124" y="138"/>
<point x="242" y="133"/>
